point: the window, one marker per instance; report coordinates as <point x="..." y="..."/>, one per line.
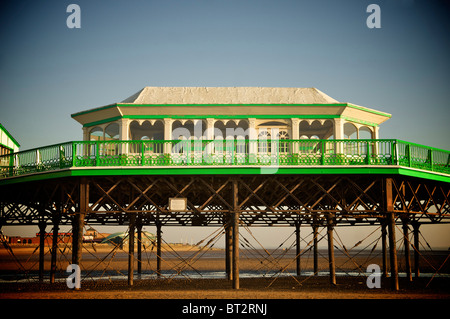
<point x="264" y="145"/>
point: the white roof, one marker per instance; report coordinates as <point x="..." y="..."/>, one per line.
<point x="228" y="95"/>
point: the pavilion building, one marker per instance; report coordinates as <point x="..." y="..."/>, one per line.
<point x="155" y="113"/>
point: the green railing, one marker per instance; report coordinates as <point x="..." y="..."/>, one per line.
<point x="147" y="153"/>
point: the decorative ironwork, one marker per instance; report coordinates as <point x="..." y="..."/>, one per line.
<point x="207" y="153"/>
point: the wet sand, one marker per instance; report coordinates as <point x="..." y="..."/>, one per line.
<point x="288" y="286"/>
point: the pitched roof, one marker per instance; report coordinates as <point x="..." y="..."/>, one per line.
<point x="228" y="95"/>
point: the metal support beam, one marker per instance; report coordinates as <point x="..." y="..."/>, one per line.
<point x="228" y="250"/>
<point x="407" y="250"/>
<point x="331" y="260"/>
<point x="77" y="242"/>
<point x="297" y="247"/>
<point x="416" y="249"/>
<point x="384" y="250"/>
<point x="235" y="216"/>
<point x="315" y="248"/>
<point x="54" y="248"/>
<point x="42" y="226"/>
<point x="391" y="226"/>
<point x="158" y="248"/>
<point x="131" y="249"/>
<point x="139" y="244"/>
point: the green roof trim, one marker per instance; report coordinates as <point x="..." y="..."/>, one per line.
<point x="9" y="135"/>
<point x="149" y="117"/>
<point x="227" y="105"/>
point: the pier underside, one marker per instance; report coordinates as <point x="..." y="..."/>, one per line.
<point x="262" y="200"/>
<point x="228" y="201"/>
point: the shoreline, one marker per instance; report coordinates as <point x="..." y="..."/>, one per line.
<point x="188" y="286"/>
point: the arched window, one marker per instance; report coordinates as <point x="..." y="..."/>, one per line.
<point x="284" y="146"/>
<point x="264" y="146"/>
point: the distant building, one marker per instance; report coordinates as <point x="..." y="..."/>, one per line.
<point x="62" y="238"/>
<point x="7" y="142"/>
<point x="91" y="236"/>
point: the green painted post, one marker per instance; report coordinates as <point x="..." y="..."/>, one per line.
<point x="74" y="153"/>
<point x="97" y="153"/>
<point x="142" y="153"/>
<point x="430" y="156"/>
<point x="322" y="150"/>
<point x="408" y="152"/>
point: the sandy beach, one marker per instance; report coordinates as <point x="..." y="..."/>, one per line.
<point x="275" y="276"/>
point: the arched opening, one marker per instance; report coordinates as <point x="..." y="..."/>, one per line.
<point x="96" y="134"/>
<point x="350" y="131"/>
<point x="365" y="133"/>
<point x="147" y="130"/>
<point x="317" y="129"/>
<point x="191" y="129"/>
<point x="112" y="132"/>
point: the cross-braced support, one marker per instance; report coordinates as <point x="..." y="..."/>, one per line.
<point x="231" y="201"/>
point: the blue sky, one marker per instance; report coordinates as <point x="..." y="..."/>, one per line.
<point x="48" y="71"/>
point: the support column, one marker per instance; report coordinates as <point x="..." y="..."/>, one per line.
<point x="297" y="246"/>
<point x="253" y="143"/>
<point x="158" y="249"/>
<point x="331" y="261"/>
<point x="124" y="134"/>
<point x="235" y="216"/>
<point x="295" y="134"/>
<point x="86" y="133"/>
<point x="416" y="249"/>
<point x="131" y="230"/>
<point x="77" y="230"/>
<point x="315" y="248"/>
<point x="42" y="226"/>
<point x="167" y="135"/>
<point x="54" y="250"/>
<point x="392" y="240"/>
<point x="228" y="249"/>
<point x="407" y="250"/>
<point x="139" y="245"/>
<point x="339" y="134"/>
<point x="384" y="248"/>
<point x="393" y="252"/>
